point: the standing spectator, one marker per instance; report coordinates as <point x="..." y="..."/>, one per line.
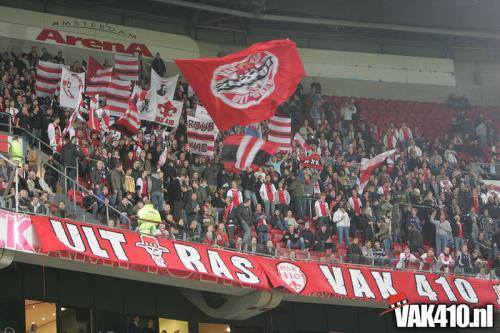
<point x="464" y="262"/>
<point x="268" y="195"/>
<point x="443" y="230"/>
<point x="342" y="221"/>
<point x="384" y="235"/>
<point x="322" y="211"/>
<point x="245" y="220"/>
<point x="282" y="199"/>
<point x="158" y="65"/>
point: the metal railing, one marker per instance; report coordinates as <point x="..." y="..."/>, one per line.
<point x="77" y="186"/>
<point x="16" y="179"/>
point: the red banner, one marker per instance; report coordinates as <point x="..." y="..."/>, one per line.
<point x="311" y="161"/>
<point x="113" y="247"/>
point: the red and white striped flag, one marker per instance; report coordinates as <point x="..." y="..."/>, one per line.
<point x="280" y="130"/>
<point x="368" y="165"/>
<point x="298" y="139"/>
<point x="242" y="152"/>
<point x="98" y="78"/>
<point x="94" y="123"/>
<point x="127" y="67"/>
<point x="118" y="94"/>
<point x="128" y="123"/>
<point x="48" y="76"/>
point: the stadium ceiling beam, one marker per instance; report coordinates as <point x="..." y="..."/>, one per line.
<point x="330" y="22"/>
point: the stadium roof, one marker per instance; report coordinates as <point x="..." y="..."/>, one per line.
<point x="471" y="23"/>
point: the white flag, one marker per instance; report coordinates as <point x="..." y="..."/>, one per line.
<point x="70" y="87"/>
<point x="169" y="113"/>
<point x="164" y="87"/>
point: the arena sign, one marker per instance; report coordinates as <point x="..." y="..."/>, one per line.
<point x="100" y="245"/>
<point x="20" y="28"/>
<point x="61" y="38"/>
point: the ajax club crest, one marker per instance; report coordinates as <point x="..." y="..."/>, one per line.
<point x="245" y="83"/>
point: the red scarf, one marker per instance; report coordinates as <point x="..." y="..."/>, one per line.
<point x="357" y="205"/>
<point x="281" y="196"/>
<point x="475" y="202"/>
<point x="228" y="210"/>
<point x="323" y="208"/>
<point x="236" y="196"/>
<point x="144" y="186"/>
<point x="406" y="133"/>
<point x="460" y="232"/>
<point x="269" y="191"/>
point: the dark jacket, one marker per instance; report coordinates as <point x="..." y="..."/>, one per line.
<point x="245" y="215"/>
<point x="69" y="154"/>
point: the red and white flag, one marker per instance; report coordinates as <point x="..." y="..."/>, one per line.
<point x="126" y="67"/>
<point x="118" y="94"/>
<point x="94" y="123"/>
<point x="201" y="133"/>
<point x="98" y="78"/>
<point x="369" y="165"/>
<point x="128" y="123"/>
<point x="48" y="76"/>
<point x="242" y="152"/>
<point x="298" y="139"/>
<point x="69" y="128"/>
<point x="71" y="85"/>
<point x="280" y="130"/>
<point x="245" y="87"/>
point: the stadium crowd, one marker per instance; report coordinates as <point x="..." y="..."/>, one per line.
<point x="425" y="208"/>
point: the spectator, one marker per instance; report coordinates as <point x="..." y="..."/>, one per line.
<point x="158" y="65"/>
<point x="428" y="261"/>
<point x="245" y="220"/>
<point x="443" y="230"/>
<point x="445" y="260"/>
<point x="342" y="221"/>
<point x="294" y="240"/>
<point x="384" y="235"/>
<point x="354" y="253"/>
<point x="406" y="258"/>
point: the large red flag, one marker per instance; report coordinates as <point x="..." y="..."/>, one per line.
<point x="245" y="87"/>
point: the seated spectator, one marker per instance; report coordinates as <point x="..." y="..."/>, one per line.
<point x="445" y="261"/>
<point x="278" y="222"/>
<point x="193" y="233"/>
<point x="293" y="239"/>
<point x="379" y="255"/>
<point x="354" y="253"/>
<point x="406" y="258"/>
<point x="428" y="261"/>
<point x="367" y="252"/>
<point x="321" y="238"/>
<point x="308" y="236"/>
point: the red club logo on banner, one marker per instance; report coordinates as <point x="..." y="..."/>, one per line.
<point x="292" y="275"/>
<point x="247" y="82"/>
<point x="155" y="250"/>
